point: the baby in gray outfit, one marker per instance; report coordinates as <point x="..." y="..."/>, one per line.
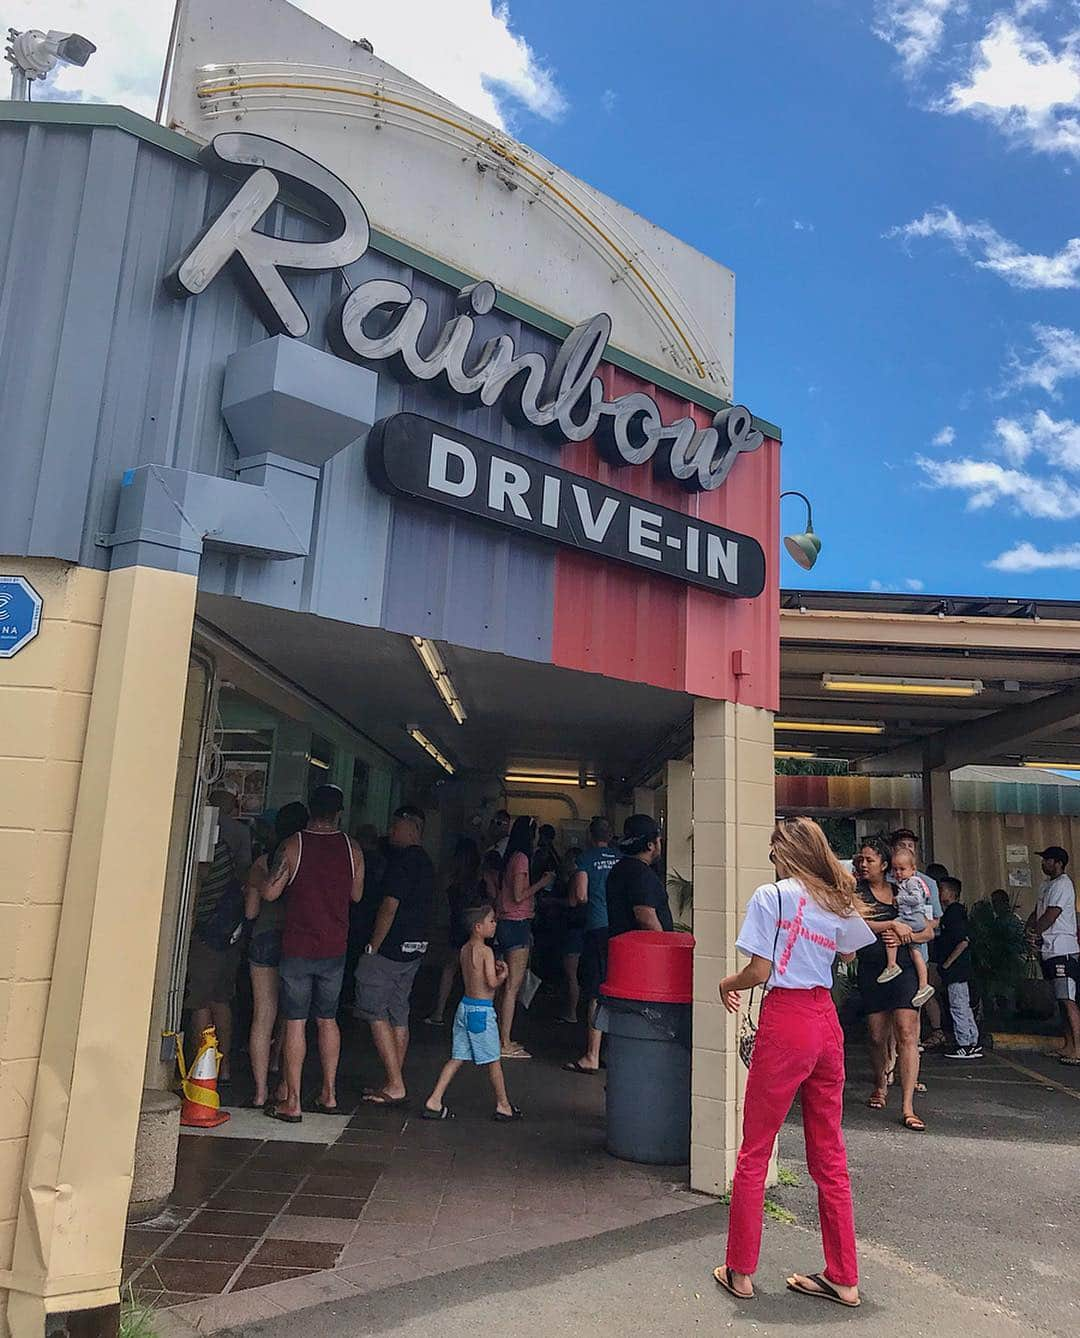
<point x="911" y="899"/>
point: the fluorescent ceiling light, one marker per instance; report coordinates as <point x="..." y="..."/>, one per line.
<point x="521" y="778"/>
<point x="318" y="762"/>
<point x="909" y="687"/>
<point x="1053" y="766"/>
<point x="422" y="739"/>
<point x="444" y="684"/>
<point x="831" y="726"/>
<point x="792" y="753"/>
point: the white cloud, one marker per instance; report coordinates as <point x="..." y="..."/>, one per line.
<point x="886" y="588"/>
<point x="988" y="482"/>
<point x="945" y="437"/>
<point x="1057" y="441"/>
<point x="1026" y="88"/>
<point x="914" y="28"/>
<point x="1025" y="557"/>
<point x="466" y="51"/>
<point x="1057" y="359"/>
<point x="800" y="226"/>
<point x="608" y="100"/>
<point x="1021" y="269"/>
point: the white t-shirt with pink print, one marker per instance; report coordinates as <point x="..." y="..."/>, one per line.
<point x="809" y="937"/>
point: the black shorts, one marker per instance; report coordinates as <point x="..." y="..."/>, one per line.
<point x="592" y="970"/>
<point x="1064" y="974"/>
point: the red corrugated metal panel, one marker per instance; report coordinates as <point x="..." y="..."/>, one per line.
<point x="795" y="792"/>
<point x="651" y="629"/>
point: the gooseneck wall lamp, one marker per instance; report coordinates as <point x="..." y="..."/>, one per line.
<point x="805" y="548"/>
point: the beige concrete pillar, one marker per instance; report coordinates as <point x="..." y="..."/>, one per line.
<point x="679" y="834"/>
<point x="734" y="809"/>
<point x="75" y="1177"/>
<point x="941" y="843"/>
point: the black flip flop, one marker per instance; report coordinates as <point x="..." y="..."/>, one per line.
<point x="273" y="1113"/>
<point x="822" y="1291"/>
<point x="326" y="1110"/>
<point x="500" y="1118"/>
<point x="383" y="1102"/>
<point x="443" y="1113"/>
<point x="723" y="1277"/>
<point x="575" y="1067"/>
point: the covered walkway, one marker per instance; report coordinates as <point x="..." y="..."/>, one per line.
<point x="970" y="1229"/>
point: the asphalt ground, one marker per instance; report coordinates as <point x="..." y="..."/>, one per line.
<point x="970" y="1229"/>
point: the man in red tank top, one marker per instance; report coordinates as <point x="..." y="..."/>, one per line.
<point x="322" y="870"/>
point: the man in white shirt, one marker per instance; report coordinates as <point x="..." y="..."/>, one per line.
<point x="1052" y="926"/>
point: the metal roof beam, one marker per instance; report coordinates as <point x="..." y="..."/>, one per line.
<point x="1006" y="732"/>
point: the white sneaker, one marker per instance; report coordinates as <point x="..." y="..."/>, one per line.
<point x="965" y="1052"/>
<point x="921" y="996"/>
<point x="890" y="973"/>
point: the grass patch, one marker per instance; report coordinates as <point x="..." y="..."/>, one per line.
<point x="789" y="1178"/>
<point x="136" y="1317"/>
<point x="778" y="1213"/>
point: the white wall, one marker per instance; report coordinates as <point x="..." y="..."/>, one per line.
<point x="499" y="224"/>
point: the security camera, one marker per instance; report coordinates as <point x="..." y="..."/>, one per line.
<point x="34" y="54"/>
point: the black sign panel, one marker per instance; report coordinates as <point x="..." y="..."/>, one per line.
<point x="416" y="457"/>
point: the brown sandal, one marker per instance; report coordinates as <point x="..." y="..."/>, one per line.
<point x="878" y="1099"/>
<point x="913" y="1124"/>
<point x="723" y="1277"/>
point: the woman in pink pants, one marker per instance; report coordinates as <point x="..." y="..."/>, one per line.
<point x="792" y="931"/>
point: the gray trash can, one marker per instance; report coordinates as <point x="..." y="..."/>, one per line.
<point x="648" y="1080"/>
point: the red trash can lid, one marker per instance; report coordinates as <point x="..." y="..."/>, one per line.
<point x="651" y="965"/>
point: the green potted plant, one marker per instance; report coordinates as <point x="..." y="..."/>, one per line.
<point x="1000" y="957"/>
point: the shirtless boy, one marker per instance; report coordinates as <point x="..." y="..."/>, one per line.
<point x="476" y="1027"/>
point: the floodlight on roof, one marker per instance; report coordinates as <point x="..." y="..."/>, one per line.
<point x="34" y="55"/>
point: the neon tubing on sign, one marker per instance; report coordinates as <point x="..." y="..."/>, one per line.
<point x="246" y="85"/>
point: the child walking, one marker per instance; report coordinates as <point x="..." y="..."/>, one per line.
<point x="476" y="1027"/>
<point x="912" y="897"/>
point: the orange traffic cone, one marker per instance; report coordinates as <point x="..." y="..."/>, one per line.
<point x="202" y="1107"/>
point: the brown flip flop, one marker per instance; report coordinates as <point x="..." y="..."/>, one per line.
<point x="821" y="1291"/>
<point x="723" y="1277"/>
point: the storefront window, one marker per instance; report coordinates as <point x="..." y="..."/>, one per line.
<point x="246" y="755"/>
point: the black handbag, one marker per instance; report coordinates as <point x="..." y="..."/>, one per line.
<point x="748" y="1027"/>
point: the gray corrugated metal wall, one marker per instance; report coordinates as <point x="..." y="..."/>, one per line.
<point x="101" y="371"/>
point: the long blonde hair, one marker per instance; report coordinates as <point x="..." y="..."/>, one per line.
<point x="801" y="851"/>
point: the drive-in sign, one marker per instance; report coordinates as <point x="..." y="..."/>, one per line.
<point x="20" y="614"/>
<point x="415" y="457"/>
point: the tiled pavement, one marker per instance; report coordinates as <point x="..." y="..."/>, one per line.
<point x="259" y="1228"/>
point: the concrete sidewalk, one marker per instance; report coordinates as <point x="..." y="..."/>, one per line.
<point x="655" y="1280"/>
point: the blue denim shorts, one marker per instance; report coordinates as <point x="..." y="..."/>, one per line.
<point x="513" y="934"/>
<point x="476" y="1032"/>
<point x="265" y="948"/>
<point x="310" y="987"/>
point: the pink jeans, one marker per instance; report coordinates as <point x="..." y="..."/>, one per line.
<point x="799" y="1046"/>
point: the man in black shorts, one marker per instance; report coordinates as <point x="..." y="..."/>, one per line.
<point x="387" y="968"/>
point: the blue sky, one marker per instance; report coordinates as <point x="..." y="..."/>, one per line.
<point x="895" y="184"/>
<point x="789" y="138"/>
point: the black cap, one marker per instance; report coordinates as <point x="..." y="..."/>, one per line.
<point x="327" y="801"/>
<point x="639" y="831"/>
<point x="1056" y="853"/>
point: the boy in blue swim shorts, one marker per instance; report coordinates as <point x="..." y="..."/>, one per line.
<point x="476" y="1027"/>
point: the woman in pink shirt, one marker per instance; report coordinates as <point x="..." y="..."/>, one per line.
<point x="515" y="906"/>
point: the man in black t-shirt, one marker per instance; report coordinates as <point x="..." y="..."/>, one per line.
<point x="636" y="896"/>
<point x="387" y="969"/>
<point x="953" y="952"/>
